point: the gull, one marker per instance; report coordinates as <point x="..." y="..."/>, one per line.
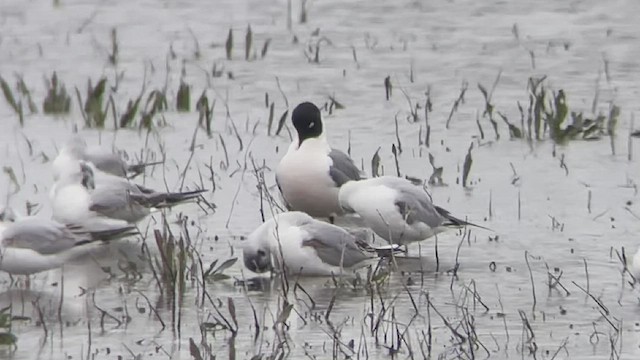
<point x="305" y="246"/>
<point x="396" y="210"/>
<point x="31" y="245"/>
<point x="76" y="149"/>
<point x="311" y="172"/>
<point x="107" y="199"/>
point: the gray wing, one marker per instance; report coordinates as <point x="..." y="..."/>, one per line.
<point x="41" y="235"/>
<point x="108" y="162"/>
<point x="343" y="169"/>
<point x="333" y="245"/>
<point x="415" y="206"/>
<point x="114" y="202"/>
<point x="163" y="199"/>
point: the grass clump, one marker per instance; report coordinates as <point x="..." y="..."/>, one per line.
<point x="11" y="100"/>
<point x="229" y="45"/>
<point x="183" y="99"/>
<point x="563" y="126"/>
<point x="126" y="119"/>
<point x="214" y="273"/>
<point x="7" y="338"/>
<point x="16" y="102"/>
<point x="156" y="103"/>
<point x="25" y="94"/>
<point x="248" y="43"/>
<point x="205" y="112"/>
<point x="93" y="112"/>
<point x="57" y="100"/>
<point x="548" y="115"/>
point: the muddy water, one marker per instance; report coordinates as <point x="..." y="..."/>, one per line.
<point x="537" y="204"/>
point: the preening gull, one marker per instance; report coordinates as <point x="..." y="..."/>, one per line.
<point x="305" y="246"/>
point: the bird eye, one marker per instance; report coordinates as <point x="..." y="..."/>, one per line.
<point x="261" y="253"/>
<point x="312" y="124"/>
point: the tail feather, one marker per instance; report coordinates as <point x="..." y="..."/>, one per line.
<point x="454" y="221"/>
<point x="164" y="200"/>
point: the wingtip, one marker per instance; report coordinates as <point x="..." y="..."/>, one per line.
<point x="456" y="222"/>
<point x="167" y="200"/>
<point x="115" y="234"/>
<point x="106" y="235"/>
<point x="137" y="169"/>
<point x="176" y="198"/>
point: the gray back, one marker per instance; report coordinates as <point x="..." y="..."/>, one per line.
<point x="414" y="203"/>
<point x="109" y="163"/>
<point x="114" y="202"/>
<point x="343" y="169"/>
<point x="334" y="245"/>
<point x="41" y="235"/>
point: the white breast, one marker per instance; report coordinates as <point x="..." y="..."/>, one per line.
<point x="303" y="176"/>
<point x="71" y="204"/>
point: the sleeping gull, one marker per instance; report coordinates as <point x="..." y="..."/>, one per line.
<point x="305" y="246"/>
<point x="311" y="172"/>
<point x="396" y="210"/>
<point x="76" y="149"/>
<point x="107" y="198"/>
<point x="30" y="245"/>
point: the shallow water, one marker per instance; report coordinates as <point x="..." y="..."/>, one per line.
<point x="445" y="43"/>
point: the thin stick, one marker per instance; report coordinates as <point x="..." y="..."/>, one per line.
<point x="519" y="206"/>
<point x="533" y="286"/>
<point x="586" y="271"/>
<point x="286" y="102"/>
<point x="630" y="140"/>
